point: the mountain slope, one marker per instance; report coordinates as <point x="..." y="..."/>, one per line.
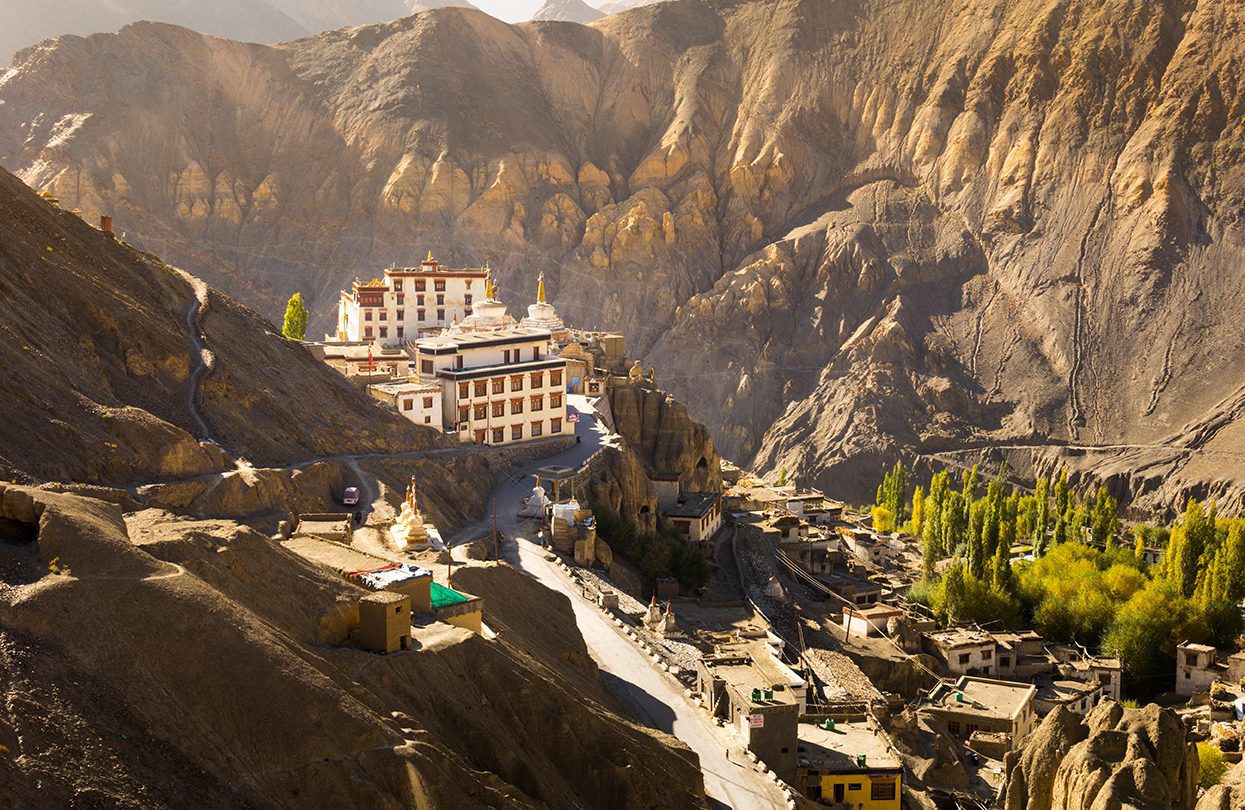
<point x="97" y="367"/>
<point x="576" y="11"/>
<point x="1018" y="232"/>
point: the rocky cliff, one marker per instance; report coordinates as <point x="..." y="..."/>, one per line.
<point x="841" y="231"/>
<point x="657" y="429"/>
<point x="1112" y="757"/>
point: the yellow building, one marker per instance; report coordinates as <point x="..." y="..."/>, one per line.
<point x="456" y="608"/>
<point x="849" y="764"/>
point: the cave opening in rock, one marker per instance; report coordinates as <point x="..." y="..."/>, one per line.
<point x="703" y="464"/>
<point x="18" y="531"/>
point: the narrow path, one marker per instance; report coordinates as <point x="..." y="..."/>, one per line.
<point x="205" y="359"/>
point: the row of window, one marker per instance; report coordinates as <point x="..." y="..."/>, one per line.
<point x="421" y="314"/>
<point x="481" y="410"/>
<point x="419" y="302"/>
<point x="384" y="332"/>
<point x="409" y="404"/>
<point x="535" y="430"/>
<point x="422" y="284"/>
<point x="481" y="387"/>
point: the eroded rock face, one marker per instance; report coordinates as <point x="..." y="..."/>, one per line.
<point x="837" y="242"/>
<point x="1113" y="758"/>
<point x="657" y="428"/>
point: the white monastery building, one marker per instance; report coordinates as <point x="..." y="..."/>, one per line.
<point x="411" y="302"/>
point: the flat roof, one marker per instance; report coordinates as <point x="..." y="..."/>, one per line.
<point x="837" y="749"/>
<point x="408" y="386"/>
<point x="693" y="505"/>
<point x="469" y="340"/>
<point x="340" y="558"/>
<point x="750" y="665"/>
<point x="872" y="611"/>
<point x="359" y="351"/>
<point x="1197" y="647"/>
<point x="984" y="696"/>
<point x="960" y="637"/>
<point x="1066" y="690"/>
<point x="506" y="368"/>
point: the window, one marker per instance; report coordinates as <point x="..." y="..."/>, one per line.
<point x="427" y="402"/>
<point x="555" y="425"/>
<point x="367" y="314"/>
<point x="516" y="406"/>
<point x="458" y="361"/>
<point x="481" y="388"/>
<point x="537" y="429"/>
<point x="420" y="285"/>
<point x="419" y="300"/>
<point x="986" y="655"/>
<point x="555" y="378"/>
<point x="964" y="658"/>
<point x="367" y="332"/>
<point x="440" y="314"/>
<point x="854" y="786"/>
<point x="882" y="790"/>
<point x="1104" y="679"/>
<point x="1005" y="660"/>
<point x="440" y="300"/>
<point x="463" y="413"/>
<point x="384" y="316"/>
<point x="516" y="383"/>
<point x="397" y="285"/>
<point x="419" y="314"/>
<point x="467" y="299"/>
<point x="464" y="390"/>
<point x="555" y="400"/>
<point x="425" y="367"/>
<point x="516" y="431"/>
<point x="401" y="316"/>
<point x="499" y="435"/>
<point x="427" y="420"/>
<point x="538" y="403"/>
<point x="481" y="411"/>
<point x="538" y="379"/>
<point x="953" y="726"/>
<point x="401" y="331"/>
<point x="1190" y="660"/>
<point x="401" y="299"/>
<point x="505" y="355"/>
<point x="499" y="385"/>
<point x="439" y="285"/>
<point x="535" y="352"/>
<point x="408" y="404"/>
<point x="499" y="409"/>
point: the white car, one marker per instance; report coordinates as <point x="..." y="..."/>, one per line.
<point x="351" y="496"/>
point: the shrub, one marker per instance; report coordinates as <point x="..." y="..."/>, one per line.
<point x="1210" y="765"/>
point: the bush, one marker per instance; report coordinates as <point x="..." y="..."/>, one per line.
<point x="1210" y="765"/>
<point x="659" y="555"/>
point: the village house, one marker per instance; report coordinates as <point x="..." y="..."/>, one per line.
<point x="870" y="621"/>
<point x="385" y="622"/>
<point x="362" y="361"/>
<point x="849" y="764"/>
<point x="853" y="589"/>
<point x="1077" y="696"/>
<point x="814" y="551"/>
<point x="1075" y="663"/>
<point x="1021" y="655"/>
<point x="762" y="698"/>
<point x="420" y="401"/>
<point x="696" y="516"/>
<point x="1197" y="667"/>
<point x="961" y="650"/>
<point x="977" y="706"/>
<point x="866" y="546"/>
<point x="408" y="303"/>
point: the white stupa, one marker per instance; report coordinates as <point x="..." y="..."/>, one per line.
<point x="542" y="315"/>
<point x="487" y="314"/>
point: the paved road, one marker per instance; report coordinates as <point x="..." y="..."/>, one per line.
<point x="625" y="669"/>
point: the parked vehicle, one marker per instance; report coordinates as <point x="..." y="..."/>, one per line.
<point x="350" y="497"/>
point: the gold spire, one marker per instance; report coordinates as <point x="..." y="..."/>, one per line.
<point x="429" y="256"/>
<point x="540" y="288"/>
<point x="490" y="289"/>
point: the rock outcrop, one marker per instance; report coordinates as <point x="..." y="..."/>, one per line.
<point x="837" y="242"/>
<point x="657" y="428"/>
<point x="1113" y="757"/>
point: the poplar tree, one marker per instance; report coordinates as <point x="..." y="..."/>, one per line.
<point x="1041" y="519"/>
<point x="295" y="327"/>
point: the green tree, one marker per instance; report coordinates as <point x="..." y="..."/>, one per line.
<point x="295" y="327"/>
<point x="918" y="511"/>
<point x="883" y="519"/>
<point x="1041" y="518"/>
<point x="1104" y="519"/>
<point x="1147" y="628"/>
<point x="893" y="492"/>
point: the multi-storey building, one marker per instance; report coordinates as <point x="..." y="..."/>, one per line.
<point x="498" y="387"/>
<point x="409" y="303"/>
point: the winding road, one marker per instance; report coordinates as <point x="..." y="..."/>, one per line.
<point x="653" y="697"/>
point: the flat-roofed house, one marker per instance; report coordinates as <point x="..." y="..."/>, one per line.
<point x="984" y="706"/>
<point x="962" y="650"/>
